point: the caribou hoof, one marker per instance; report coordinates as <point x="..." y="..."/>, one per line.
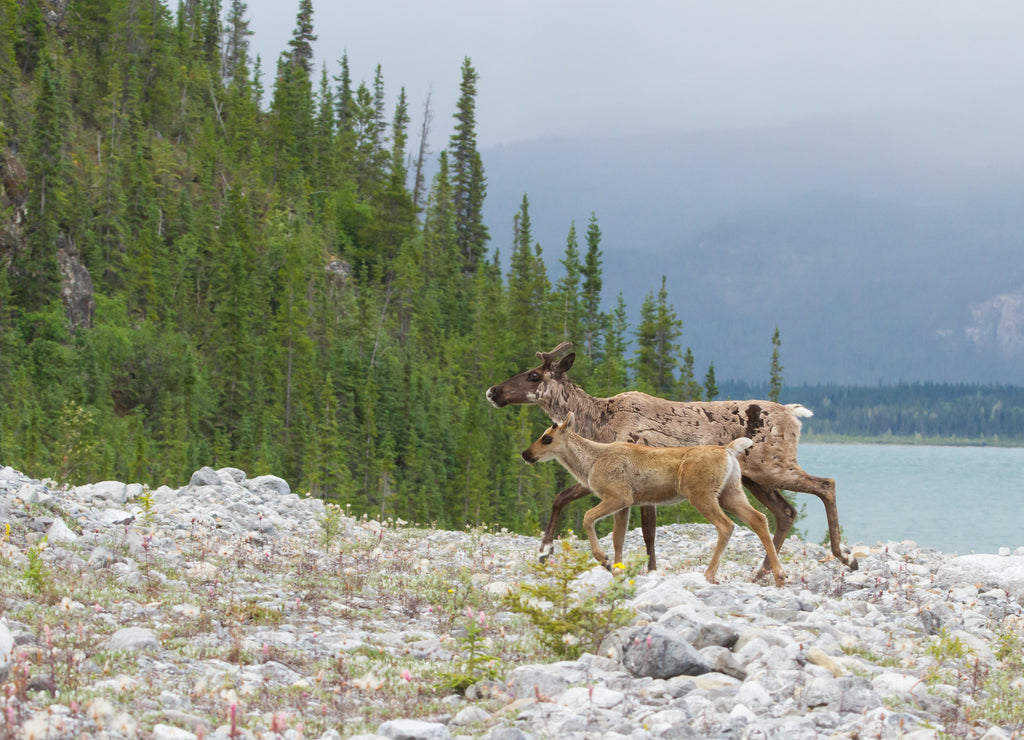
<point x="545" y="552"/>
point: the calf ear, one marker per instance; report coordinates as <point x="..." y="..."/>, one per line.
<point x="567" y="422"/>
<point x="563" y="365"/>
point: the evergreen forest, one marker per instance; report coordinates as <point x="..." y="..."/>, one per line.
<point x="214" y="259"/>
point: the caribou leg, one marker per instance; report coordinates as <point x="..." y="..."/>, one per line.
<point x="780" y="509"/>
<point x="825" y="489"/>
<point x="648" y="523"/>
<point x="563" y="499"/>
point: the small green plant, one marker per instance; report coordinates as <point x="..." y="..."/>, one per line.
<point x="571" y="623"/>
<point x="145" y="500"/>
<point x="77" y="443"/>
<point x="950" y="656"/>
<point x="475" y="663"/>
<point x="330" y="524"/>
<point x="35" y="573"/>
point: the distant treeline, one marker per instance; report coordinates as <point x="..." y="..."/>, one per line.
<point x="927" y="411"/>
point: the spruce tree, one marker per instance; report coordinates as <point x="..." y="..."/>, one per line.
<point x="300" y="51"/>
<point x="468" y="182"/>
<point x="611" y="374"/>
<point x="689" y="388"/>
<point x="657" y="353"/>
<point x="343" y="98"/>
<point x="775" y="370"/>
<point x="567" y="290"/>
<point x="36" y="274"/>
<point x="593" y="320"/>
<point x="235" y="55"/>
<point x="710" y="384"/>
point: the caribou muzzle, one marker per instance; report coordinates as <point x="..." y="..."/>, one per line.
<point x="496" y="397"/>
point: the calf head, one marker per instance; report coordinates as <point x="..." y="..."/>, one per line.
<point x="534" y="385"/>
<point x="550" y="444"/>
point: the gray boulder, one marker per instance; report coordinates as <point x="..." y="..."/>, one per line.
<point x="410" y="729"/>
<point x="659" y="653"/>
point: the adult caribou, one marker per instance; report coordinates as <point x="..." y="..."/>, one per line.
<point x="769" y="466"/>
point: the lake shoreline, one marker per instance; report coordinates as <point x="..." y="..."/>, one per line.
<point x="808" y="437"/>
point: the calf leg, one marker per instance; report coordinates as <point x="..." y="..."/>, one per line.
<point x="781" y="510"/>
<point x="733" y="499"/>
<point x="708" y="506"/>
<point x="609" y="505"/>
<point x="563" y="499"/>
<point x="619" y="533"/>
<point x="825" y="489"/>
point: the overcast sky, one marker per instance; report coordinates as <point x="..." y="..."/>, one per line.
<point x="571" y="67"/>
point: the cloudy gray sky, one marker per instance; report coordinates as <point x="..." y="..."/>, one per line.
<point x="571" y="67"/>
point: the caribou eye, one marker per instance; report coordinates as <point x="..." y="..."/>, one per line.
<point x="533" y="377"/>
<point x="546" y="439"/>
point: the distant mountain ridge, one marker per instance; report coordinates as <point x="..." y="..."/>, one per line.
<point x="880" y="257"/>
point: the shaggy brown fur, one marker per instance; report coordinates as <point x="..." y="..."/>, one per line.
<point x="623" y="474"/>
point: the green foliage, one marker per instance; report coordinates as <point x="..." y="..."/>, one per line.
<point x="474" y="661"/>
<point x="145" y="500"/>
<point x="657" y="354"/>
<point x="77" y="441"/>
<point x="980" y="691"/>
<point x="572" y="621"/>
<point x="330" y="525"/>
<point x="35" y="574"/>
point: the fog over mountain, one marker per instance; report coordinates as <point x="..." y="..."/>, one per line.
<point x="884" y="248"/>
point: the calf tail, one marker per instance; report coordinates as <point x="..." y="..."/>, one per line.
<point x="739" y="445"/>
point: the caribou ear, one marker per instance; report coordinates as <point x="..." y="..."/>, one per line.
<point x="547" y="357"/>
<point x="563" y="365"/>
<point x="567" y="422"/>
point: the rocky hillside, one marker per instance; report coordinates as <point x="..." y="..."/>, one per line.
<point x="232" y="607"/>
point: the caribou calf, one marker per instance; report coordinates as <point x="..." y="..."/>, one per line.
<point x="624" y="474"/>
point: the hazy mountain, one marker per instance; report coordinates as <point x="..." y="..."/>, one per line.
<point x="883" y="249"/>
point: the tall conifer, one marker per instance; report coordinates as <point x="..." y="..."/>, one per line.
<point x="657" y="352"/>
<point x="468" y="182"/>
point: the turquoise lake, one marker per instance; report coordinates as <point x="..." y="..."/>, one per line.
<point x="956" y="499"/>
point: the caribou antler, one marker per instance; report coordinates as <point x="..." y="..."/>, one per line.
<point x="547" y="357"/>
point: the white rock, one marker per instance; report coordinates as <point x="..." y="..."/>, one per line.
<point x="901" y="686"/>
<point x="60" y="532"/>
<point x="115" y="516"/>
<point x="753" y="694"/>
<point x="581" y="698"/>
<point x="471" y="715"/>
<point x="133" y="638"/>
<point x="6" y="651"/>
<point x="1005" y="572"/>
<point x="409" y="729"/>
<point x="167" y="732"/>
<point x="111" y="490"/>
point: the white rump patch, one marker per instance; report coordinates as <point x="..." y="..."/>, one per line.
<point x="799" y="410"/>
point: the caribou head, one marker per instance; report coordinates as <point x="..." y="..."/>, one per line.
<point x="533" y="385"/>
